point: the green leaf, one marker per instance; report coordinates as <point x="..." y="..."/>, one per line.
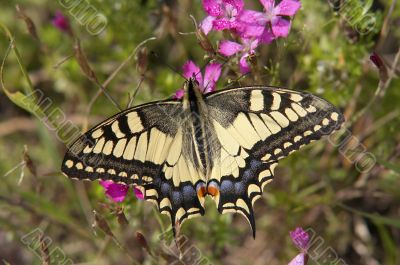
<point x="388" y="244"/>
<point x="55" y="212"/>
<point x="391" y="221"/>
<point x="28" y="100"/>
<point x="390" y="166"/>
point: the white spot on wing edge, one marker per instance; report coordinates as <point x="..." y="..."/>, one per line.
<point x="256" y="100"/>
<point x="115" y="128"/>
<point x="97" y="133"/>
<point x="134" y="122"/>
<point x="276" y="101"/>
<point x="295" y="97"/>
<point x="335" y="116"/>
<point x="79" y="166"/>
<point x="69" y="163"/>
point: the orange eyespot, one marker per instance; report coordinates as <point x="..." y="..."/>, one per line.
<point x="201" y="192"/>
<point x="213" y="190"/>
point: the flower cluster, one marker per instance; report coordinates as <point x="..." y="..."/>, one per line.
<point x="207" y="83"/>
<point x="117" y="192"/>
<point x="61" y="22"/>
<point x="301" y="239"/>
<point x="251" y="27"/>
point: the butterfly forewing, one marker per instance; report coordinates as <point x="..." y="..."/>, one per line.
<point x="142" y="146"/>
<point x="244" y="132"/>
<point x="257" y="126"/>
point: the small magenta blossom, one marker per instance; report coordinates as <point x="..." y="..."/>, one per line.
<point x="272" y="21"/>
<point x="206" y="84"/>
<point x="301" y="239"/>
<point x="117" y="192"/>
<point x="300" y="259"/>
<point x="247" y="48"/>
<point x="61" y="22"/>
<point x="222" y="14"/>
<point x="138" y="193"/>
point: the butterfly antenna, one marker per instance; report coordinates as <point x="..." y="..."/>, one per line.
<point x="153" y="53"/>
<point x="236" y="80"/>
<point x="222" y="65"/>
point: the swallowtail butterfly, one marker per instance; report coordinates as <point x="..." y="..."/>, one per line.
<point x="225" y="144"/>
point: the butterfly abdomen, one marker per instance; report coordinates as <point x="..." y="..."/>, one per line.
<point x="197" y="112"/>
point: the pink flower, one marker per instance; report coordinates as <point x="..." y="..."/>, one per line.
<point x="117" y="192"/>
<point x="222" y="14"/>
<point x="300" y="259"/>
<point x="255" y="24"/>
<point x="179" y="94"/>
<point x="247" y="48"/>
<point x="301" y="239"/>
<point x="138" y="193"/>
<point x="206" y="84"/>
<point x="61" y="22"/>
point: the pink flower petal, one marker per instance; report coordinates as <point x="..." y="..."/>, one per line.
<point x="209" y="87"/>
<point x="300" y="259"/>
<point x="179" y="94"/>
<point x="212" y="7"/>
<point x="207" y="24"/>
<point x="229" y="48"/>
<point x="238" y="4"/>
<point x="105" y="183"/>
<point x="244" y="65"/>
<point x="268" y="4"/>
<point x="281" y="27"/>
<point x="267" y="37"/>
<point x="211" y="76"/>
<point x="190" y="69"/>
<point x="138" y="193"/>
<point x="250" y="44"/>
<point x="251" y="23"/>
<point x="221" y="24"/>
<point x="115" y="191"/>
<point x="61" y="22"/>
<point x="287" y="7"/>
<point x="300" y="238"/>
<point x="252" y="17"/>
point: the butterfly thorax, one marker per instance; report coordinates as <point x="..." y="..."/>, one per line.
<point x="196" y="127"/>
<point x="224" y="144"/>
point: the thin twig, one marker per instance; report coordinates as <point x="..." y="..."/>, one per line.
<point x="385" y="26"/>
<point x="57" y="65"/>
<point x="135" y="92"/>
<point x="380" y="91"/>
<point x="84" y="201"/>
<point x="89" y="73"/>
<point x="21" y="164"/>
<point x="19" y="202"/>
<point x="380" y="123"/>
<point x="111" y="77"/>
<point x="110" y="98"/>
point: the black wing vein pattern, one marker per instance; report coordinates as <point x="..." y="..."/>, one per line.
<point x="256" y="127"/>
<point x="248" y="131"/>
<point x="141" y="146"/>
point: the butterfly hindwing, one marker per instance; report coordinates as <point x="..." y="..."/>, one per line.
<point x="257" y="126"/>
<point x="143" y="146"/>
<point x="226" y="145"/>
